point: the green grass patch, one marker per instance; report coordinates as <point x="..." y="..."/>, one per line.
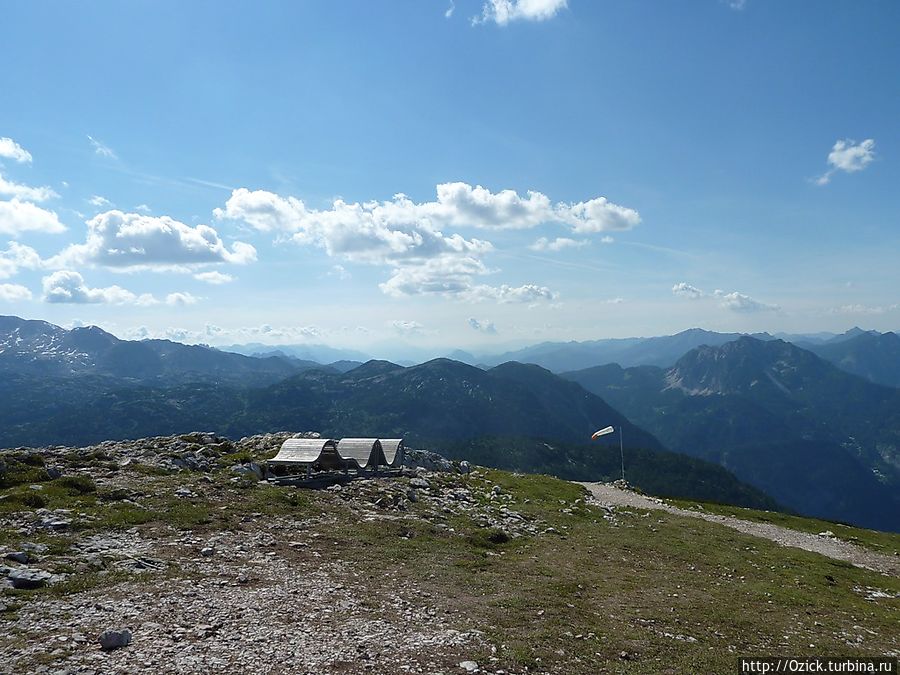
<point x="21" y="468"/>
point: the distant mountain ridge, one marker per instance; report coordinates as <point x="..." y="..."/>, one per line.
<point x="869" y="354"/>
<point x="654" y="351"/>
<point x="817" y="439"/>
<point x="317" y="353"/>
<point x="38" y="348"/>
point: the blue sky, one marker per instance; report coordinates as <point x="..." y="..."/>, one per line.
<point x="228" y="171"/>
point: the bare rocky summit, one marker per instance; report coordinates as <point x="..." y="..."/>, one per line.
<point x="170" y="554"/>
<point x="271" y="593"/>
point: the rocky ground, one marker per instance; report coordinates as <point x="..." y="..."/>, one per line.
<point x="171" y="555"/>
<point x="267" y="595"/>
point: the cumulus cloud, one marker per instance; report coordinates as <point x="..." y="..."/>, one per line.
<point x="28" y="193"/>
<point x="215" y="278"/>
<point x="848" y="156"/>
<point x="9" y="149"/>
<point x="99" y="201"/>
<point x="402" y="226"/>
<point x="17" y="217"/>
<point x="18" y="256"/>
<point x="685" y="290"/>
<point x="14" y="292"/>
<point x="734" y="301"/>
<point x="527" y="293"/>
<point x="558" y="244"/>
<point x="483" y="326"/>
<point x="410" y="237"/>
<point x="143" y="208"/>
<point x="371" y="232"/>
<point x="181" y="299"/>
<point x="503" y="12"/>
<point x="67" y="286"/>
<point x="450" y="10"/>
<point x="738" y="302"/>
<point x="408" y="328"/>
<point x="101" y="148"/>
<point x="132" y="240"/>
<point x="449" y="276"/>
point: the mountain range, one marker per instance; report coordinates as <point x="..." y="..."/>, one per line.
<point x="815" y="438"/>
<point x="665" y="350"/>
<point x="41" y="349"/>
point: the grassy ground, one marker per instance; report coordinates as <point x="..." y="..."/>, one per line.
<point x="645" y="592"/>
<point x="883" y="542"/>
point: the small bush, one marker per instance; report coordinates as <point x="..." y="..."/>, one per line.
<point x="33" y="498"/>
<point x="22" y="469"/>
<point x="490" y="538"/>
<point x="80" y="485"/>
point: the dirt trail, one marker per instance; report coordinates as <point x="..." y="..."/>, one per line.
<point x="827" y="546"/>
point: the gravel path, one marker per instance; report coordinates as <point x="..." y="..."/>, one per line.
<point x="827" y="546"/>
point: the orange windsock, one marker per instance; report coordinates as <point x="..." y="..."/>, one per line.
<point x="601" y="432"/>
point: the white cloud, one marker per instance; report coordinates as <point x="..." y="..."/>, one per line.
<point x="99" y="201"/>
<point x="12" y="150"/>
<point x="450" y="10"/>
<point x="340" y="272"/>
<point x="402" y="226"/>
<point x="558" y="244"/>
<point x="848" y="156"/>
<point x="408" y="328"/>
<point x="211" y="333"/>
<point x="18" y="256"/>
<point x="502" y="12"/>
<point x="527" y="293"/>
<point x="734" y="301"/>
<point x="215" y="278"/>
<point x="17" y="217"/>
<point x="66" y="286"/>
<point x="864" y="309"/>
<point x="14" y="292"/>
<point x="117" y="239"/>
<point x="143" y="208"/>
<point x="737" y="5"/>
<point x="445" y="275"/>
<point x="370" y="232"/>
<point x="738" y="302"/>
<point x="483" y="326"/>
<point x="685" y="290"/>
<point x="181" y="299"/>
<point x="19" y="191"/>
<point x="409" y="237"/>
<point x="615" y="301"/>
<point x="101" y="148"/>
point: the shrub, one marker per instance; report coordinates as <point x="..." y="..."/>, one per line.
<point x="81" y="485"/>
